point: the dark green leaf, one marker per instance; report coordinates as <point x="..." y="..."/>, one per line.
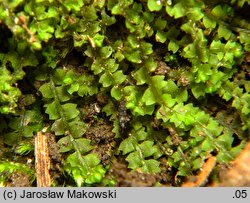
<point x="134" y="160"/>
<point x="148" y="97"/>
<point x="119" y="77"/>
<point x="173" y="46"/>
<point x="46" y="91"/>
<point x="106" y="51"/>
<point x="84" y="145"/>
<point x="53" y="111"/>
<point x="58" y="127"/>
<point x="151" y="166"/>
<point x="62" y="93"/>
<point x="70" y="111"/>
<point x="65" y="144"/>
<point x="91" y="160"/>
<point x="208" y="22"/>
<point x="148" y="148"/>
<point x="127" y="145"/>
<point x="161" y="36"/>
<point x="98" y="40"/>
<point x="140" y="76"/>
<point x="77" y="128"/>
<point x="73" y="88"/>
<point x="224" y="32"/>
<point x="116" y="92"/>
<point x="106" y="79"/>
<point x="133" y="56"/>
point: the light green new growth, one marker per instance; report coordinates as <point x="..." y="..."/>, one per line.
<point x="174" y="75"/>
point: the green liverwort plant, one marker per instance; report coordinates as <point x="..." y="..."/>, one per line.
<point x="165" y="82"/>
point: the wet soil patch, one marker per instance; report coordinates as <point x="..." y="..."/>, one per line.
<point x="101" y="135"/>
<point x="19" y="179"/>
<point x="125" y="177"/>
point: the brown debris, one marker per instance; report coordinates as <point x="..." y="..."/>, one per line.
<point x="238" y="174"/>
<point x="126" y="178"/>
<point x="202" y="177"/>
<point x="162" y="68"/>
<point x="100" y="133"/>
<point x="19" y="179"/>
<point x="22" y="21"/>
<point x="42" y="160"/>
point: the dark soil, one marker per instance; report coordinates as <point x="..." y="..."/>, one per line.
<point x="100" y="133"/>
<point x="127" y="178"/>
<point x="56" y="160"/>
<point x="19" y="179"/>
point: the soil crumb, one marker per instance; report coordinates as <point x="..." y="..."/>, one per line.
<point x="100" y="133"/>
<point x="126" y="178"/>
<point x="55" y="159"/>
<point x="19" y="179"/>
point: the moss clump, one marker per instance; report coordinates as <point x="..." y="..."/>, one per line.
<point x="171" y="78"/>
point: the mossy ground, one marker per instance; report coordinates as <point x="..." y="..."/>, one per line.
<point x="129" y="93"/>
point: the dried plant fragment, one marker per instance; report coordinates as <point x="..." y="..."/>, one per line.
<point x="202" y="177"/>
<point x="42" y="160"/>
<point x="239" y="173"/>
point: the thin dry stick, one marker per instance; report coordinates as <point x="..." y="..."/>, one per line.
<point x="238" y="175"/>
<point x="204" y="173"/>
<point x="42" y="160"/>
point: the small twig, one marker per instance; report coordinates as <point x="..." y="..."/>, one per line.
<point x="201" y="178"/>
<point x="238" y="174"/>
<point x="21" y="20"/>
<point x="42" y="160"/>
